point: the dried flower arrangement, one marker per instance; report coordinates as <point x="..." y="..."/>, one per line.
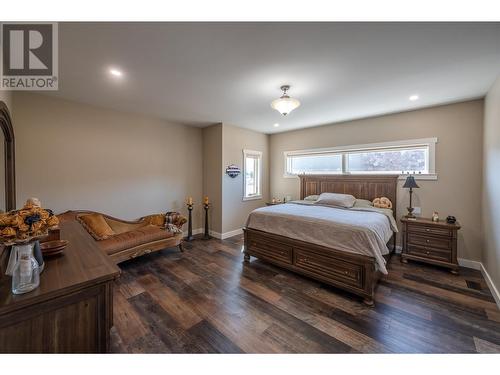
<point x="30" y="222"/>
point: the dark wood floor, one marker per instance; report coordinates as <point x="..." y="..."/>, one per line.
<point x="206" y="300"/>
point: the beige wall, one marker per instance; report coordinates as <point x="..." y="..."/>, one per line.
<point x="459" y="130"/>
<point x="212" y="172"/>
<point x="235" y="140"/>
<point x="491" y="184"/>
<point x="75" y="156"/>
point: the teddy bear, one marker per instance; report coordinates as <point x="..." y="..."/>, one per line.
<point x="382" y="202"/>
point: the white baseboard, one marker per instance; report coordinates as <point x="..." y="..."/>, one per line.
<point x="467" y="263"/>
<point x="220" y="236"/>
<point x="195" y="232"/>
<point x="489" y="282"/>
<point x="232" y="233"/>
<point x="223" y="236"/>
<point x="215" y="234"/>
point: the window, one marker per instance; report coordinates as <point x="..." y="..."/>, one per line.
<point x="390" y="157"/>
<point x="252" y="172"/>
<point x="315" y="163"/>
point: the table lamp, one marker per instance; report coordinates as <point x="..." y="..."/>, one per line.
<point x="411" y="184"/>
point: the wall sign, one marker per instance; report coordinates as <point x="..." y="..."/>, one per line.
<point x="233" y="171"/>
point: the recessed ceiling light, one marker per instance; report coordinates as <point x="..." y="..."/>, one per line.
<point x="276" y="125"/>
<point x="115" y="72"/>
<point x="413" y="98"/>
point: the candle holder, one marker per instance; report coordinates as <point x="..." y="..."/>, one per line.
<point x="190" y="222"/>
<point x="206" y="235"/>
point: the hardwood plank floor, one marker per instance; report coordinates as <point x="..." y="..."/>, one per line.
<point x="206" y="300"/>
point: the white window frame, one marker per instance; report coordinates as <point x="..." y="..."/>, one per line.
<point x="345" y="150"/>
<point x="259" y="174"/>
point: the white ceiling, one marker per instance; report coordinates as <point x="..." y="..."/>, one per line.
<point x="202" y="73"/>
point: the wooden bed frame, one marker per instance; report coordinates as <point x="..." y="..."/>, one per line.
<point x="351" y="272"/>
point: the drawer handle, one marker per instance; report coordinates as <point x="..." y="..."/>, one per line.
<point x="427" y="241"/>
<point x="427" y="230"/>
<point x="346" y="272"/>
<point x="427" y="252"/>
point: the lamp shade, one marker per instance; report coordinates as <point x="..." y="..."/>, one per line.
<point x="410" y="183"/>
<point x="285" y="104"/>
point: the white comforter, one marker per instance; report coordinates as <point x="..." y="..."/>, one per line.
<point x="356" y="230"/>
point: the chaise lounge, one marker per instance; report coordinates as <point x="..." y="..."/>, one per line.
<point x="122" y="240"/>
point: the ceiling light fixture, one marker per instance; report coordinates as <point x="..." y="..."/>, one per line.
<point x="413" y="98"/>
<point x="115" y="72"/>
<point x="285" y="104"/>
<point x="276" y="125"/>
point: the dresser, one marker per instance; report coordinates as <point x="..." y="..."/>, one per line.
<point x="72" y="309"/>
<point x="431" y="242"/>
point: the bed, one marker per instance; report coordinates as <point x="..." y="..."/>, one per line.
<point x="350" y="254"/>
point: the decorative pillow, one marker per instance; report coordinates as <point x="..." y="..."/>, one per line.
<point x="335" y="199"/>
<point x="96" y="225"/>
<point x="157" y="220"/>
<point x="174" y="221"/>
<point x="363" y="203"/>
<point x="382" y="202"/>
<point x="311" y="198"/>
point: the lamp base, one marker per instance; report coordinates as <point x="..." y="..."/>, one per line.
<point x="410" y="215"/>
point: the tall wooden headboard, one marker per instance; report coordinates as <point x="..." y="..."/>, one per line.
<point x="361" y="186"/>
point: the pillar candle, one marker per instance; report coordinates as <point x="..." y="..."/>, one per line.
<point x="206" y="200"/>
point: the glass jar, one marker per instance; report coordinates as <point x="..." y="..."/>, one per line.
<point x="26" y="274"/>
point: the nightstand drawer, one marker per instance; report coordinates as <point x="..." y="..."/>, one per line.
<point x="416" y="228"/>
<point x="428" y="241"/>
<point x="430" y="253"/>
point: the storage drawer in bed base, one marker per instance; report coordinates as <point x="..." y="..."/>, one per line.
<point x="351" y="272"/>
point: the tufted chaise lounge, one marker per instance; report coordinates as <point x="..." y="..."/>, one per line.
<point x="132" y="239"/>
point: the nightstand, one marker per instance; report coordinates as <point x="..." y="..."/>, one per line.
<point x="431" y="242"/>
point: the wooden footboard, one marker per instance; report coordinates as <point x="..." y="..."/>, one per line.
<point x="351" y="272"/>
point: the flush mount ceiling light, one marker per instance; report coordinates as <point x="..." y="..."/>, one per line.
<point x="285" y="104"/>
<point x="115" y="72"/>
<point x="414" y="97"/>
<point x="276" y="125"/>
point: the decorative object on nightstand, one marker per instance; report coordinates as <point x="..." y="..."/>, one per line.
<point x="451" y="219"/>
<point x="274" y="202"/>
<point x="411" y="184"/>
<point x="431" y="242"/>
<point x="189" y="204"/>
<point x="435" y="216"/>
<point x="206" y="206"/>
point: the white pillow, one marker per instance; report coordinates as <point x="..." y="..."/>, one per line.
<point x="335" y="199"/>
<point x="363" y="203"/>
<point x="311" y="198"/>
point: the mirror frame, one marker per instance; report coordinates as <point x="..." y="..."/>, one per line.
<point x="10" y="157"/>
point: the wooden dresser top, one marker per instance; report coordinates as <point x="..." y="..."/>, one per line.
<point x="81" y="265"/>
